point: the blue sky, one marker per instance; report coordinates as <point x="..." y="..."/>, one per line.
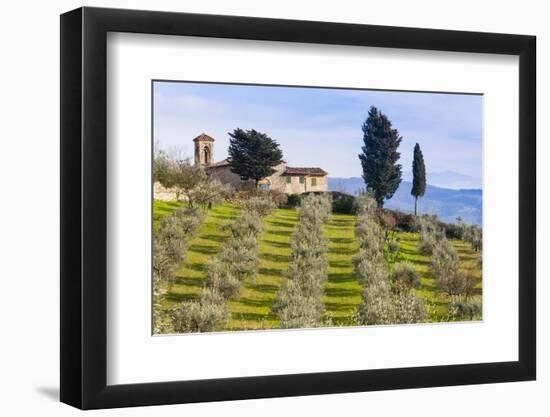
<point x="322" y="127"/>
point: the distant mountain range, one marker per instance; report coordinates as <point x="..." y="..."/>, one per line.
<point x="448" y="179"/>
<point x="447" y="203"/>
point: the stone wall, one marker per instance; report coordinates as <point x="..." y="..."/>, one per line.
<point x="162" y="193"/>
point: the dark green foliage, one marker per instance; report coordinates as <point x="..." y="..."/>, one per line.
<point x="405" y="222"/>
<point x="381" y="172"/>
<point x="343" y="203"/>
<point x="419" y="176"/>
<point x="293" y="200"/>
<point x="253" y="155"/>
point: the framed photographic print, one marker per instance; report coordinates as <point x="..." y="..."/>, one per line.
<point x="258" y="207"/>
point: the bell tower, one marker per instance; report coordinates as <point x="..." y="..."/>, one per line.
<point x="204" y="149"/>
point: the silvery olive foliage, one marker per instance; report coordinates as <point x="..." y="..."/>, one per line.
<point x="404" y="277"/>
<point x="190" y="219"/>
<point x="300" y="300"/>
<point x="380" y="303"/>
<point x="463" y="308"/>
<point x="261" y="205"/>
<point x="207" y="314"/>
<point x="474" y="236"/>
<point x="430" y="233"/>
<point x="169" y="249"/>
<point x="470" y="233"/>
<point x="408" y="309"/>
<point x="225" y="273"/>
<point x="445" y="267"/>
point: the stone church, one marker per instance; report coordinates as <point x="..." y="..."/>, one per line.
<point x="290" y="180"/>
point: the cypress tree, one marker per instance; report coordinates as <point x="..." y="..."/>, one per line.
<point x="419" y="176"/>
<point x="381" y="172"/>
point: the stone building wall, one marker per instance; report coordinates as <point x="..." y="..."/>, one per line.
<point x="277" y="182"/>
<point x="295" y="187"/>
<point x="223" y="174"/>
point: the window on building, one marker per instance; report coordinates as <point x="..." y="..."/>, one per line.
<point x="302" y="179"/>
<point x="314" y="182"/>
<point x="288" y="179"/>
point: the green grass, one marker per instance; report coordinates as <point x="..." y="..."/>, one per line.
<point x="410" y="251"/>
<point x="163" y="209"/>
<point x="209" y="241"/>
<point x="342" y="291"/>
<point x="253" y="308"/>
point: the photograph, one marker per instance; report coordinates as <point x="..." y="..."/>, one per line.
<point x="285" y="207"/>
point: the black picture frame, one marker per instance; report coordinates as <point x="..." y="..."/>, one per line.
<point x="84" y="207"/>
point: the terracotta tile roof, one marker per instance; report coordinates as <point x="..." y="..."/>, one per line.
<point x="204" y="137"/>
<point x="305" y="171"/>
<point x="223" y="163"/>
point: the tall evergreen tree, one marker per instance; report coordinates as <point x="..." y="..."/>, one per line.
<point x="253" y="155"/>
<point x="381" y="172"/>
<point x="419" y="176"/>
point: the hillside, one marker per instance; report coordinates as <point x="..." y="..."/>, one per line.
<point x="252" y="308"/>
<point x="447" y="203"/>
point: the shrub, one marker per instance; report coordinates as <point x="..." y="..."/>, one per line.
<point x="317" y="205"/>
<point x="406" y="222"/>
<point x="343" y="203"/>
<point x="210" y="313"/>
<point x="190" y="219"/>
<point x="453" y="231"/>
<point x="445" y="267"/>
<point x="241" y="257"/>
<point x="293" y="200"/>
<point x="279" y="198"/>
<point x="210" y="192"/>
<point x="408" y="309"/>
<point x="405" y="277"/>
<point x="370" y="236"/>
<point x="379" y="304"/>
<point x="376" y="305"/>
<point x="300" y="302"/>
<point x="222" y="278"/>
<point x="388" y="220"/>
<point x="369" y="270"/>
<point x="462" y="308"/>
<point x="430" y="233"/>
<point x="248" y="224"/>
<point x="296" y="308"/>
<point x="473" y="235"/>
<point x="262" y="206"/>
<point x="445" y="260"/>
<point x="169" y="248"/>
<point x="366" y="205"/>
